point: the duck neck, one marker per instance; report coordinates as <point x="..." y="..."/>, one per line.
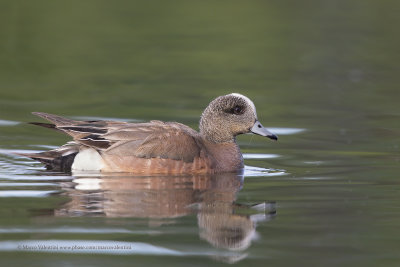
<point x="211" y="130"/>
<point x="226" y="157"/>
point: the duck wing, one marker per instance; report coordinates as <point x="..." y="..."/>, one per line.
<point x="154" y="139"/>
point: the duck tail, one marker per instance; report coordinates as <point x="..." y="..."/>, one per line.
<point x="57" y="120"/>
<point x="60" y="159"/>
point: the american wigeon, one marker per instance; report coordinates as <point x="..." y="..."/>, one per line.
<point x="156" y="147"/>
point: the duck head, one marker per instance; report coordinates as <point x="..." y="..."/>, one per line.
<point x="228" y="116"/>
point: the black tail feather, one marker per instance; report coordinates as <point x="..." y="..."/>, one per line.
<point x="60" y="159"/>
<point x="59" y="163"/>
<point x="62" y="163"/>
<point x="46" y="125"/>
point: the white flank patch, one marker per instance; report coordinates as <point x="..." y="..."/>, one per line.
<point x="88" y="160"/>
<point x="251" y="104"/>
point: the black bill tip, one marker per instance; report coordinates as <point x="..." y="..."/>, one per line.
<point x="273" y="137"/>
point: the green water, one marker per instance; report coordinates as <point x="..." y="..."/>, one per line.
<point x="324" y="76"/>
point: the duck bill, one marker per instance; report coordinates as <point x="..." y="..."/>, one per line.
<point x="260" y="130"/>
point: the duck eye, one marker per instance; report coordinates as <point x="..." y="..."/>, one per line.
<point x="236" y="110"/>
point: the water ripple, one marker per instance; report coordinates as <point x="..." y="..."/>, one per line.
<point x="86" y="246"/>
<point x="26" y="193"/>
<point x="285" y="131"/>
<point x="36" y="177"/>
<point x="260" y="156"/>
<point x="8" y="123"/>
<point x="111" y="247"/>
<point x="75" y="230"/>
<point x="251" y="171"/>
<point x="26" y="184"/>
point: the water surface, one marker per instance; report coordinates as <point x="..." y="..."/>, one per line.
<point x="323" y="76"/>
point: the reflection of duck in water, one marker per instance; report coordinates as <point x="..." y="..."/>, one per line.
<point x="147" y="197"/>
<point x="210" y="196"/>
<point x="156" y="147"/>
<point x="226" y="224"/>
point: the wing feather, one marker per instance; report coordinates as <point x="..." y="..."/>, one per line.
<point x="154" y="139"/>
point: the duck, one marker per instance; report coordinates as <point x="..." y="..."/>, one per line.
<point x="155" y="147"/>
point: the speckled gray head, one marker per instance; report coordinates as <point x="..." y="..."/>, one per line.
<point x="228" y="116"/>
